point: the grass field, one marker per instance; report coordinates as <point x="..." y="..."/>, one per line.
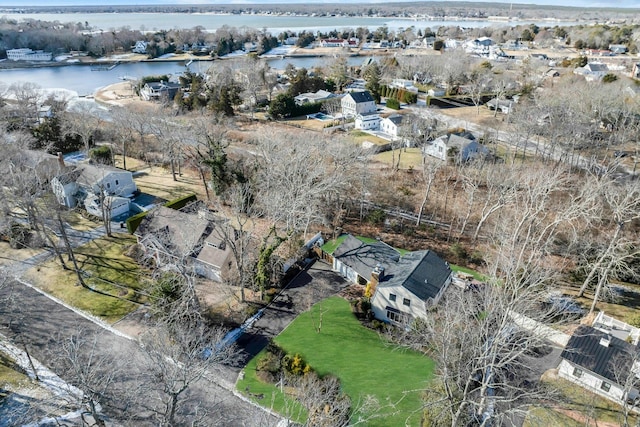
<point x="109" y="271"/>
<point x="410" y="158"/>
<point x="365" y="363"/>
<point x="576" y="407"/>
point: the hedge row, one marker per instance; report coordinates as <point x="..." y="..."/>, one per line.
<point x="400" y="95"/>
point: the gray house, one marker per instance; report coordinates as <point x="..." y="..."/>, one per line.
<point x="189" y="234"/>
<point x="404" y="286"/>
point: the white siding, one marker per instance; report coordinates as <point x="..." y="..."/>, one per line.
<point x="64" y="193"/>
<point x="590" y="381"/>
<point x="345" y="271"/>
<point x="381" y="299"/>
<point x="117" y="183"/>
<point x="437" y="149"/>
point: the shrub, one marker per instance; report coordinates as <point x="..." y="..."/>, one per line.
<point x="459" y="251"/>
<point x="102" y="155"/>
<point x="377" y="216"/>
<point x="393" y="104"/>
<point x="295" y="364"/>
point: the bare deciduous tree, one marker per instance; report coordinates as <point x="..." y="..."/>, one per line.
<point x="177" y="358"/>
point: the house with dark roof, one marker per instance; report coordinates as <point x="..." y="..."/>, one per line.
<point x="391" y="125"/>
<point x="155" y="91"/>
<point x="403" y="286"/>
<point x="357" y="102"/>
<point x="593" y="71"/>
<point x="188" y="234"/>
<point x="600" y="358"/>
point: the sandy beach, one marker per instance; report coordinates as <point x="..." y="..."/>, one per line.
<point x="119" y="94"/>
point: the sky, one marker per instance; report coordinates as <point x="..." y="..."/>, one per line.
<point x="577" y="3"/>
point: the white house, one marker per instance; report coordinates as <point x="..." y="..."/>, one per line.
<point x="404" y="286"/>
<point x="367" y="121"/>
<point x="593" y="71"/>
<point x="75" y="184"/>
<point x="26" y="54"/>
<point x="505" y="106"/>
<point x="116" y="205"/>
<point x="468" y="148"/>
<point x="140" y="47"/>
<point x="354" y="103"/>
<point x="404" y="84"/>
<point x="390" y="125"/>
<point x="352" y="42"/>
<point x="602" y="360"/>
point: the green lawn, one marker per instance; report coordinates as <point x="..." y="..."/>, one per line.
<point x="365" y="363"/>
<point x="474" y="273"/>
<point x="359" y="137"/>
<point x="109" y="271"/>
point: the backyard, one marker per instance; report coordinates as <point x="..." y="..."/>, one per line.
<point x="365" y="363"/>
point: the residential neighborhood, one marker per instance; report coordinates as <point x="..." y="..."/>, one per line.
<point x="428" y="215"/>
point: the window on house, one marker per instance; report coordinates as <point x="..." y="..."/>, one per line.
<point x="108" y="185"/>
<point x="605" y="386"/>
<point x="577" y="372"/>
<point x="392" y="297"/>
<point x="395" y="317"/>
<point x="117" y="183"/>
<point x="406" y="301"/>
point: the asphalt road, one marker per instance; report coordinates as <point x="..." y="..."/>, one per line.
<point x="43" y="324"/>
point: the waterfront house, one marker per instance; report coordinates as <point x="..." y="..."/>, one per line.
<point x="155" y="91"/>
<point x="140" y="47"/>
<point x="26" y="54"/>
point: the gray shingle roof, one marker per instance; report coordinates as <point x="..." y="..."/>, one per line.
<point x="363" y="257"/>
<point x="584" y="350"/>
<point x="423" y="273"/>
<point x="396" y="119"/>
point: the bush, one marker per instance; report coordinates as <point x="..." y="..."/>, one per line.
<point x="393" y="104"/>
<point x="376" y="216"/>
<point x="102" y="155"/>
<point x="459" y="251"/>
<point x="295" y="364"/>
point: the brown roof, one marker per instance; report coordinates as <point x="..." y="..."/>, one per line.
<point x="179" y="232"/>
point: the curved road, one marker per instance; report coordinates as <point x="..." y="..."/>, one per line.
<point x="43" y="324"/>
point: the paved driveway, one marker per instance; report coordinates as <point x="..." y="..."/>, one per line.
<point x="312" y="285"/>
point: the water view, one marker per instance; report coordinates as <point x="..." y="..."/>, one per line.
<point x="274" y="24"/>
<point x="82" y="80"/>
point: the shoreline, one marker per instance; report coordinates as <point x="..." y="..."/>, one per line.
<point x="93" y="62"/>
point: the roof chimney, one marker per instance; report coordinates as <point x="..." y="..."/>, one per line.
<point x="377" y="274"/>
<point x="605" y="341"/>
<point x="61" y="160"/>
